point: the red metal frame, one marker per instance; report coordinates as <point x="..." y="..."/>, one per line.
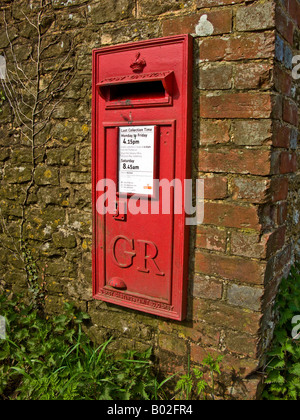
<point x="150" y="253"/>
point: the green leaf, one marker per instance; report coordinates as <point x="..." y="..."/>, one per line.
<point x="275" y="377"/>
<point x="295" y="369"/>
<point x="201" y="387"/>
<point x="276" y="364"/>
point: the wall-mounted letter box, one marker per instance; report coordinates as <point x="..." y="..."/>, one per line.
<point x="142" y="117"/>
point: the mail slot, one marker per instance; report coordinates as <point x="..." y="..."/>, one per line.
<point x="141" y="90"/>
<point x="141" y="117"/>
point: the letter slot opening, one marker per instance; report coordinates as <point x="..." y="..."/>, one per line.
<point x="143" y="91"/>
<point x="138" y="90"/>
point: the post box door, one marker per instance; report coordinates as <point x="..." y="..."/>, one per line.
<point x="141" y="147"/>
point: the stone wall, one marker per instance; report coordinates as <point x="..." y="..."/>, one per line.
<point x="244" y="145"/>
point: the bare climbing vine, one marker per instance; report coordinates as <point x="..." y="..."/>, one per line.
<point x="33" y="95"/>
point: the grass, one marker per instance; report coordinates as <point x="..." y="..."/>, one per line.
<point x="53" y="359"/>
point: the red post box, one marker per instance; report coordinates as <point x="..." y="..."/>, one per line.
<point x="142" y="115"/>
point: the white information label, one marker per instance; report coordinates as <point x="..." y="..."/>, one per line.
<point x="136" y="160"/>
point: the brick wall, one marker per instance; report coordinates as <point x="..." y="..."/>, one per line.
<point x="244" y="145"/>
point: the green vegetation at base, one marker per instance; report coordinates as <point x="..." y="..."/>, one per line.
<point x="53" y="359"/>
<point x="283" y="365"/>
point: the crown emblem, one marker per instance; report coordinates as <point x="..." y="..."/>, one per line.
<point x="139" y="64"/>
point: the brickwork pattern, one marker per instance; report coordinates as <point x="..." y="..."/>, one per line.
<point x="245" y="146"/>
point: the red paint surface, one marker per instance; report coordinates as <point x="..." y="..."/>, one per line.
<point x="141" y="261"/>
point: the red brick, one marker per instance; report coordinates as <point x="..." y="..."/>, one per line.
<point x="249" y="389"/>
<point x="288" y="162"/>
<point x="172" y="344"/>
<point x="281" y="212"/>
<point x="267" y="216"/>
<point x="290" y="112"/>
<point x="223" y="316"/>
<point x="215" y="187"/>
<point x="214" y="132"/>
<point x="253" y="76"/>
<point x="216" y="76"/>
<point x="181" y="25"/>
<point x="207" y="288"/>
<point x="231" y="215"/>
<point x="231" y="268"/>
<point x="211" y="238"/>
<point x="207" y="335"/>
<point x="283" y="80"/>
<point x="256" y="246"/>
<point x="281" y="136"/>
<point x="236" y="105"/>
<point x="241" y="47"/>
<point x="284" y="25"/>
<point x="284" y="162"/>
<point x="198" y="354"/>
<point x="257" y="16"/>
<point x="169" y="362"/>
<point x="276" y="241"/>
<point x="279" y="189"/>
<point x="277" y="102"/>
<point x="249" y="245"/>
<point x="241" y="344"/>
<point x="293" y="8"/>
<point x="221" y="20"/>
<point x="245" y="161"/>
<point x="298" y="14"/>
<point x="252" y="132"/>
<point x="196" y="331"/>
<point x="253" y="190"/>
<point x="242" y="367"/>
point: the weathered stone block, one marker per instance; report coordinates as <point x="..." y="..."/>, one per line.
<point x="67" y="132"/>
<point x="61" y="4"/>
<point x="18" y="175"/>
<point x="4" y="154"/>
<point x="62" y="157"/>
<point x="20" y="156"/>
<point x="245" y="297"/>
<point x="63" y="239"/>
<point x="172" y="344"/>
<point x="222" y="315"/>
<point x="79" y="178"/>
<point x="42" y="223"/>
<point x="53" y="195"/>
<point x="157" y="7"/>
<point x="59" y="268"/>
<point x="111" y="11"/>
<point x="46" y="176"/>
